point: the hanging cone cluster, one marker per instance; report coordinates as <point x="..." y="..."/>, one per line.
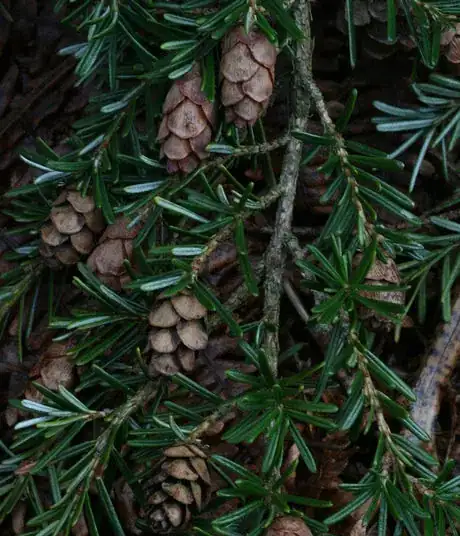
<point x="381" y="273"/>
<point x="72" y="229"/>
<point x="372" y="15"/>
<point x="114" y="247"/>
<point x="288" y="526"/>
<point x="177" y="334"/>
<point x="247" y="71"/>
<point x="450" y="43"/>
<point x="187" y="125"/>
<point x="180" y="486"/>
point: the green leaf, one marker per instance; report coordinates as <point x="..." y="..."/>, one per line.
<point x="224" y="313"/>
<point x="446" y="224"/>
<point x="178" y="209"/>
<point x="284" y="19"/>
<point x="274" y="444"/>
<point x="412" y="449"/>
<point x="388" y="376"/>
<point x="305" y="452"/>
<point x="246" y="268"/>
<point x="350" y="507"/>
<point x="367" y="261"/>
<point x="320" y="422"/>
<point x="234" y="467"/>
<point x="249" y="428"/>
<point x="349" y="16"/>
<point x="375" y="162"/>
<point x="345" y="116"/>
<point x="109" y="508"/>
<point x="159" y="282"/>
<point x="314" y="139"/>
<point x="238" y="515"/>
<point x="189" y="384"/>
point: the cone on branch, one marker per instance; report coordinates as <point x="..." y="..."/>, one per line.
<point x="177" y="334"/>
<point x="288" y="526"/>
<point x="180" y="486"/>
<point x="114" y="247"/>
<point x="71" y="232"/>
<point x="187" y="125"/>
<point x="247" y="71"/>
<point x="380" y="273"/>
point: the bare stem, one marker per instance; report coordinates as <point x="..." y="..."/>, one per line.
<point x="276" y="255"/>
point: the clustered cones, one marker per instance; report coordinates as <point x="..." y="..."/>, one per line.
<point x="181" y="485"/>
<point x="288" y="526"/>
<point x="177" y="333"/>
<point x="70" y="234"/>
<point x="247" y="72"/>
<point x="187" y="125"/>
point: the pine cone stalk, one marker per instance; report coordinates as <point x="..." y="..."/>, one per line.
<point x="247" y="71"/>
<point x="187" y="125"/>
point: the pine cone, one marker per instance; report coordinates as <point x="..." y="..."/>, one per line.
<point x="381" y="274"/>
<point x="115" y="246"/>
<point x="450" y="43"/>
<point x="373" y="16"/>
<point x="178" y="332"/>
<point x="187" y="125"/>
<point x="288" y="526"/>
<point x="247" y="69"/>
<point x="72" y="229"/>
<point x="180" y="486"/>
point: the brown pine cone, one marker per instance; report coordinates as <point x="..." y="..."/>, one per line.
<point x="380" y="273"/>
<point x="288" y="526"/>
<point x="180" y="486"/>
<point x="247" y="70"/>
<point x="450" y="43"/>
<point x="71" y="232"/>
<point x="187" y="125"/>
<point x="177" y="334"/>
<point x="114" y="247"/>
<point x="372" y="15"/>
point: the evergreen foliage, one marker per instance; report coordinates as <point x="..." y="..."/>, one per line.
<point x="76" y="443"/>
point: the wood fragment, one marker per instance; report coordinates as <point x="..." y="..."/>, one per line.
<point x="436" y="371"/>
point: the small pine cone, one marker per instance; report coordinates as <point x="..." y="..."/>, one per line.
<point x="187" y="125"/>
<point x="70" y="234"/>
<point x="380" y="273"/>
<point x="450" y="43"/>
<point x="288" y="526"/>
<point x="177" y="334"/>
<point x="114" y="247"/>
<point x="373" y="16"/>
<point x="180" y="487"/>
<point x="247" y="70"/>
